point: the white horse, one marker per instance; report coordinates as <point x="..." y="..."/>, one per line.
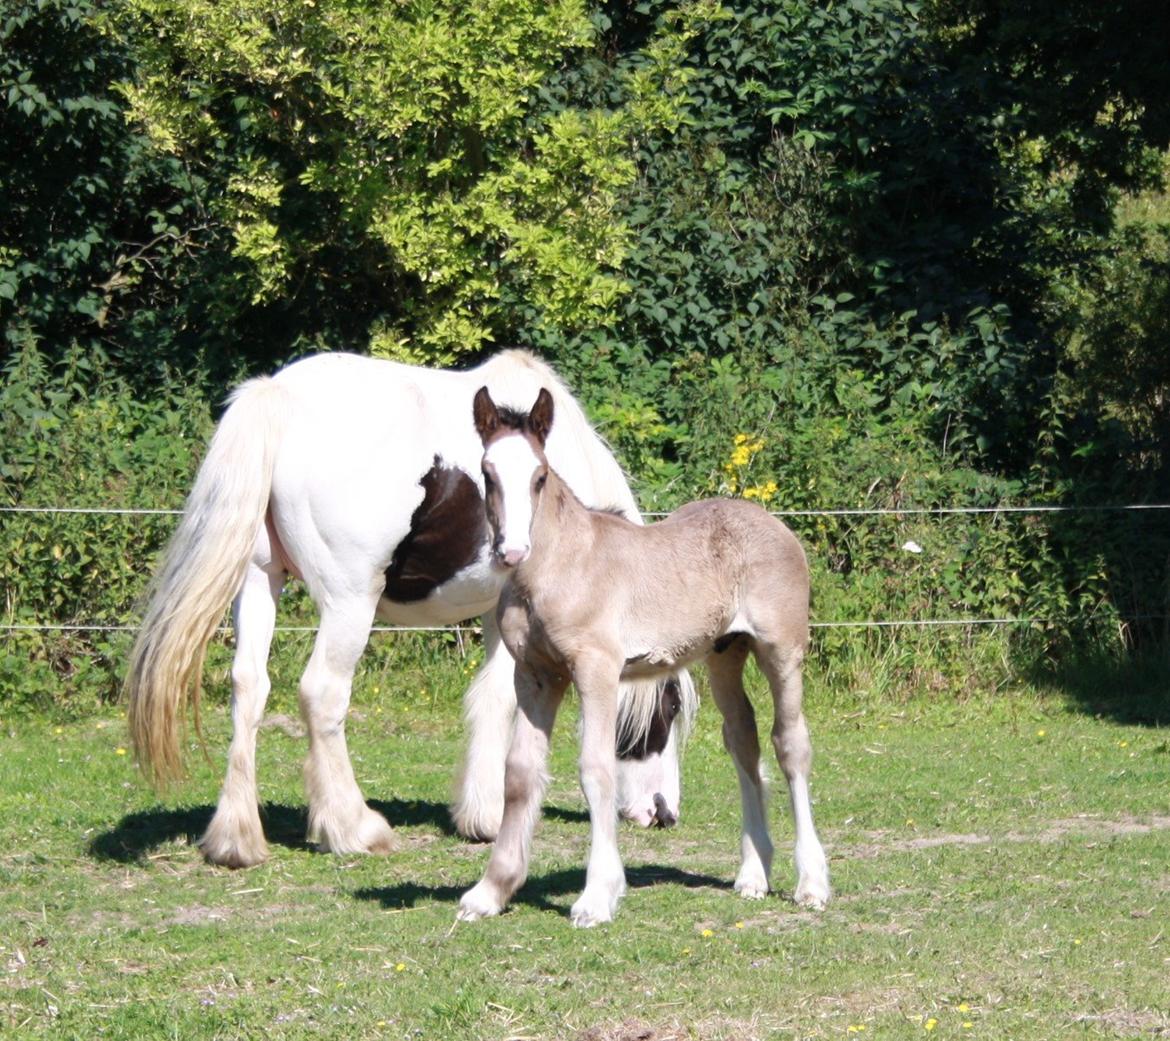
<point x="595" y="600"/>
<point x="362" y="478"/>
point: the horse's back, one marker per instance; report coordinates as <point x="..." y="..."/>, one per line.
<point x="737" y="528"/>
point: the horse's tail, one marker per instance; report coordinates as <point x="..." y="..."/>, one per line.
<point x="202" y="570"/>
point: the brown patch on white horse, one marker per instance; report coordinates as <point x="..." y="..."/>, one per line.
<point x="595" y="600"/>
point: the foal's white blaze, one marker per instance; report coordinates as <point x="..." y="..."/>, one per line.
<point x="513" y="462"/>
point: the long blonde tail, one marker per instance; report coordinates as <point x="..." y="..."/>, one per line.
<point x="201" y="572"/>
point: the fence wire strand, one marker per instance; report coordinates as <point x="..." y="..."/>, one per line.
<point x="910" y="511"/>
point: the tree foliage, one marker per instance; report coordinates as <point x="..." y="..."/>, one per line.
<point x="390" y="161"/>
<point x="876" y="241"/>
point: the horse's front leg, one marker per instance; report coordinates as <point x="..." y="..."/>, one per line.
<point x="538" y="696"/>
<point x="605" y="878"/>
<point x="488" y="708"/>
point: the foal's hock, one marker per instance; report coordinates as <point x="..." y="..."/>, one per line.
<point x="594" y="600"/>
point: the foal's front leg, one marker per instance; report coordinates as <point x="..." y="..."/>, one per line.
<point x="605" y="879"/>
<point x="537" y="700"/>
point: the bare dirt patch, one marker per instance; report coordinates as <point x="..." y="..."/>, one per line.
<point x="631" y="1030"/>
<point x="878" y="843"/>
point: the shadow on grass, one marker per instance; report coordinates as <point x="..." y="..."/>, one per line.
<point x="539" y="891"/>
<point x="137" y="835"/>
<point x="1132" y="689"/>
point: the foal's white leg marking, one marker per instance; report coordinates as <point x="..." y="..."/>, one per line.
<point x="489" y="707"/>
<point x="524" y="782"/>
<point x="742" y="741"/>
<point x="235" y="837"/>
<point x="605" y="878"/>
<point x="339" y="819"/>
<point x="794" y="751"/>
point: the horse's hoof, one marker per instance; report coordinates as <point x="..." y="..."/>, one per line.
<point x="811" y="895"/>
<point x="236" y="847"/>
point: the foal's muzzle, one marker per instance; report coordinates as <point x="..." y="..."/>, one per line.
<point x="509" y="558"/>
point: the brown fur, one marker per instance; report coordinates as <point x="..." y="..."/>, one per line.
<point x="598" y="600"/>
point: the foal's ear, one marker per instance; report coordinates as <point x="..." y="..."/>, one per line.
<point x="541" y="417"/>
<point x="487" y="416"/>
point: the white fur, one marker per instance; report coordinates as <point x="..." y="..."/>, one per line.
<point x="315" y="473"/>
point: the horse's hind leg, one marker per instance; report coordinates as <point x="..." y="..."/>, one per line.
<point x="235" y="837"/>
<point x="742" y="741"/>
<point x="339" y="819"/>
<point x="489" y="707"/>
<point x="782" y="667"/>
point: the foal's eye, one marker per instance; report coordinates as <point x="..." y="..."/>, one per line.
<point x="540" y="481"/>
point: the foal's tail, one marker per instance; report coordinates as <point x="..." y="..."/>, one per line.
<point x="202" y="570"/>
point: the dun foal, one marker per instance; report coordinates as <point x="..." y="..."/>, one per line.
<point x="593" y="599"/>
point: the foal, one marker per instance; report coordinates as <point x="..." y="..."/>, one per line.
<point x="593" y="599"/>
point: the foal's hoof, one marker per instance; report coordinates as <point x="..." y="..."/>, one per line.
<point x="589" y="911"/>
<point x="752" y="888"/>
<point x="476" y="904"/>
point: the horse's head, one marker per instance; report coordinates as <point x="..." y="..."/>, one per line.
<point x="514" y="471"/>
<point x="648" y="781"/>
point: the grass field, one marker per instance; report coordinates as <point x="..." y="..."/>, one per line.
<point x="1001" y="870"/>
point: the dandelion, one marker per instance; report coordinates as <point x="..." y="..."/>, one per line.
<point x="707" y="933"/>
<point x="739" y="925"/>
<point x="964" y="1007"/>
<point x="58" y="730"/>
<point x="400" y="967"/>
<point x="119" y="751"/>
<point x="968" y="1026"/>
<point x="1041" y="732"/>
<point x="856" y="1028"/>
<point x="1122" y="744"/>
<point x="686" y="951"/>
<point x="930" y="1024"/>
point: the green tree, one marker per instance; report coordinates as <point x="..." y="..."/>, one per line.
<point x="386" y="168"/>
<point x="96" y="227"/>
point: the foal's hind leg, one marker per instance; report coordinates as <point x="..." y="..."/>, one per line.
<point x="339" y="819"/>
<point x="235" y="837"/>
<point x="790" y="738"/>
<point x="742" y="740"/>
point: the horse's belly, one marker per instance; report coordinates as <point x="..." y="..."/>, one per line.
<point x="469" y="594"/>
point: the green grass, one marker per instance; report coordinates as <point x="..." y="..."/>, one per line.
<point x="1001" y="870"/>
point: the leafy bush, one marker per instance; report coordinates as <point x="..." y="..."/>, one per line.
<point x="75" y="437"/>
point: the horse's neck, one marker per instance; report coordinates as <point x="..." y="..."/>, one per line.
<point x="562" y="534"/>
